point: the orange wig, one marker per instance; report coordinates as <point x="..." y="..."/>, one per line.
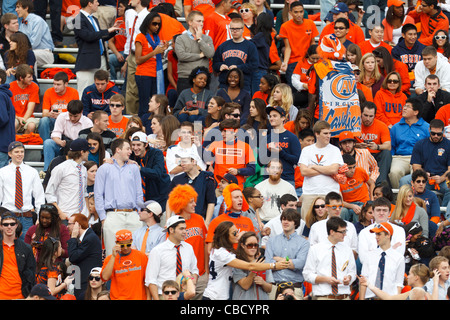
<point x="180" y="196"/>
<point x="227" y="196"/>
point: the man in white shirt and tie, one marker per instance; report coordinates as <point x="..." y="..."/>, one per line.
<point x="150" y="235"/>
<point x="66" y="188"/>
<point x="19" y="184"/>
<point x="330" y="266"/>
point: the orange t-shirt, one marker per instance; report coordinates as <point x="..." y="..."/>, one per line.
<point x="53" y="101"/>
<point x="128" y="276"/>
<point x="378" y="132"/>
<point x="21" y="97"/>
<point x="154" y="3"/>
<point x="242" y="224"/>
<point x="236" y="155"/>
<point x="298" y="178"/>
<point x="170" y="27"/>
<point x="290" y="126"/>
<point x="204" y="6"/>
<point x="148" y="68"/>
<point x="366" y="90"/>
<point x="10" y="281"/>
<point x="355" y="189"/>
<point x="118" y="127"/>
<point x="196" y="235"/>
<point x="299" y="36"/>
<point x="261" y="95"/>
<point x="367" y="47"/>
<point x="444" y="114"/>
<point x="218" y="28"/>
<point x="121" y="37"/>
<point x="302" y="68"/>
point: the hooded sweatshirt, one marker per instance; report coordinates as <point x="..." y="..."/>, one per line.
<point x="442" y="71"/>
<point x="7" y="118"/>
<point x="94" y="100"/>
<point x="409" y="56"/>
<point x="389" y="106"/>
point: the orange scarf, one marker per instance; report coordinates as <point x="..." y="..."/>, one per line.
<point x="410" y="214"/>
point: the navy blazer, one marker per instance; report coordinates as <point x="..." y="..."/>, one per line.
<point x="87" y="38"/>
<point x="86" y="254"/>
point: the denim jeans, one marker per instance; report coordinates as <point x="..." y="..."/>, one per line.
<point x="349" y="214"/>
<point x="115" y="64"/>
<point x="51" y="150"/>
<point x="46" y="125"/>
<point x="4" y="159"/>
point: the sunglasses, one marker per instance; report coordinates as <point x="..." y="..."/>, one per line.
<point x="393" y="81"/>
<point x="436" y="133"/>
<point x="317" y="206"/>
<point x="236" y="115"/>
<point x="420" y="181"/>
<point x="335" y="207"/>
<point x="172" y="292"/>
<point x="156" y="24"/>
<point x="246" y="10"/>
<point x="339" y="28"/>
<point x="236" y="29"/>
<point x="443" y="37"/>
<point x="9" y="224"/>
<point x="94" y="278"/>
<point x="357" y="72"/>
<point x="285" y="285"/>
<point x="115" y="105"/>
<point x="125" y="245"/>
<point x="252" y="246"/>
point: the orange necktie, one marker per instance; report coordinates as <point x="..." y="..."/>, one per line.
<point x="144" y="242"/>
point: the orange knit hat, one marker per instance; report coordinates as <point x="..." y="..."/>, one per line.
<point x="331" y="48"/>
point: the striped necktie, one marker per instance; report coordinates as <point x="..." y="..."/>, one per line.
<point x="19" y="192"/>
<point x="179" y="262"/>
<point x="96" y="29"/>
<point x="334" y="287"/>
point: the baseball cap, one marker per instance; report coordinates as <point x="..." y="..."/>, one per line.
<point x="396" y="3"/>
<point x="339" y="7"/>
<point x="41" y="290"/>
<point x="193" y="154"/>
<point x="174" y="220"/>
<point x="346" y="135"/>
<point x="96" y="270"/>
<point x="153" y="206"/>
<point x="279" y="109"/>
<point x="79" y="145"/>
<point x="15" y="144"/>
<point x="228" y="177"/>
<point x="384" y="226"/>
<point x="139" y="136"/>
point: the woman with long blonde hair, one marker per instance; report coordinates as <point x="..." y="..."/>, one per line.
<point x="370" y="74"/>
<point x="406" y="210"/>
<point x="281" y="96"/>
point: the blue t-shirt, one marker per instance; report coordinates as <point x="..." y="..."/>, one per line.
<point x="433" y="157"/>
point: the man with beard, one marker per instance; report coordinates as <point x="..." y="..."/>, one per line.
<point x="376" y="138"/>
<point x="364" y="159"/>
<point x="431" y="154"/>
<point x="272" y="189"/>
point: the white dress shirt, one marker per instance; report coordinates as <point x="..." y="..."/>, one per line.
<point x="31" y="188"/>
<point x="162" y="263"/>
<point x="394" y="271"/>
<point x="319" y="233"/>
<point x="63" y="187"/>
<point x="318" y="263"/>
<point x="367" y="241"/>
<point x="129" y="17"/>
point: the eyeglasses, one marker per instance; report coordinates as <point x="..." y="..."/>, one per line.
<point x="125" y="245"/>
<point x="317" y="206"/>
<point x="393" y="81"/>
<point x="421" y="181"/>
<point x="443" y="37"/>
<point x="436" y="133"/>
<point x="115" y="105"/>
<point x="9" y="224"/>
<point x="246" y="10"/>
<point x="335" y="207"/>
<point x="252" y="246"/>
<point x="342" y="231"/>
<point x="94" y="278"/>
<point x="172" y="292"/>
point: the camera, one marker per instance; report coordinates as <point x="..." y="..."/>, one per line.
<point x="288" y="297"/>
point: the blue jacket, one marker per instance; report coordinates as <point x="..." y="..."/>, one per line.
<point x="94" y="100"/>
<point x="408" y="56"/>
<point x="7" y="118"/>
<point x="404" y="137"/>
